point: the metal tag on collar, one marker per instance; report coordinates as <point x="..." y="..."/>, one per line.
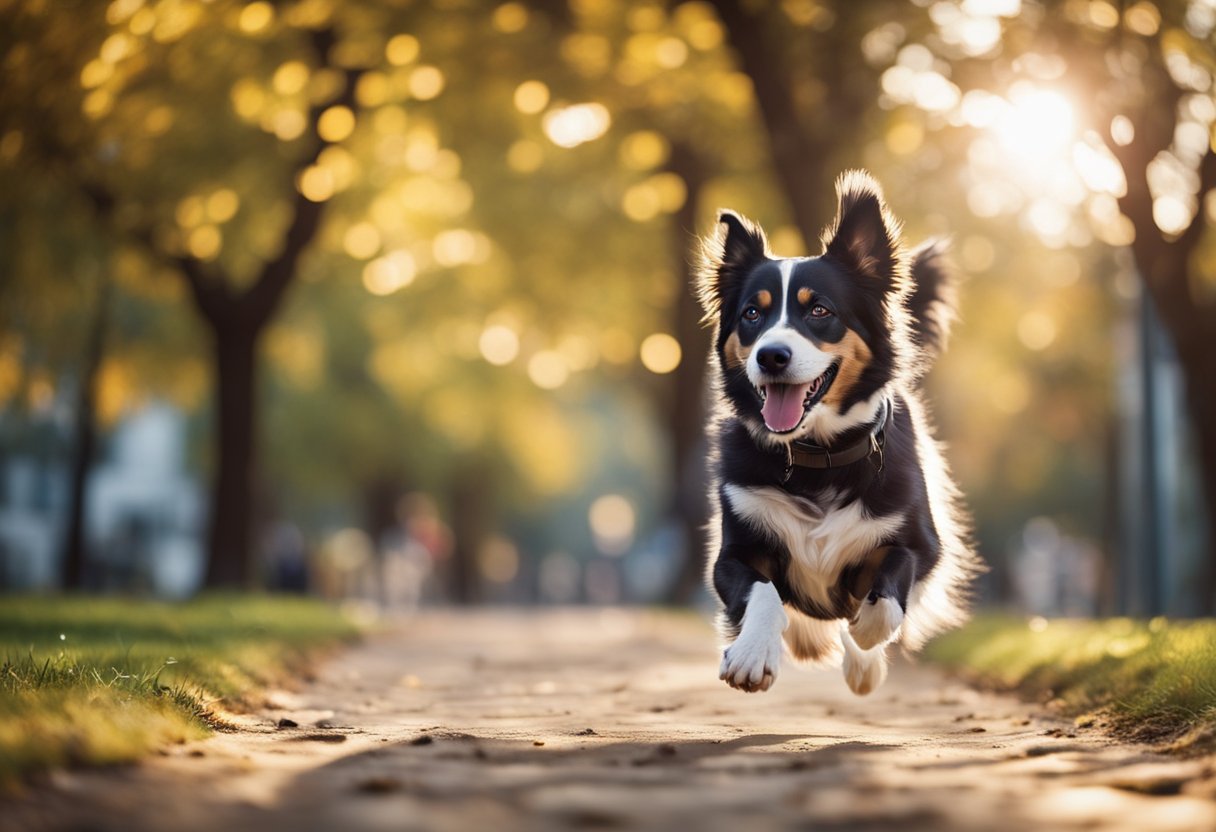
<point x="789" y="463"/>
<point x="878" y="440"/>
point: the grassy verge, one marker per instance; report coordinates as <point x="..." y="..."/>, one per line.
<point x="1153" y="681"/>
<point x="96" y="681"/>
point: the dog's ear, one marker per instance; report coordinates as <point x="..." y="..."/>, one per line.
<point x="865" y="237"/>
<point x="735" y="248"/>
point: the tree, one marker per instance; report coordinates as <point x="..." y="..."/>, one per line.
<point x="1169" y="247"/>
<point x="1140" y="79"/>
<point x="814" y="90"/>
<point x="235" y="315"/>
<point x="75" y="553"/>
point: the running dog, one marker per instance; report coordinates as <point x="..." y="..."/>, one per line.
<point x="836" y="525"/>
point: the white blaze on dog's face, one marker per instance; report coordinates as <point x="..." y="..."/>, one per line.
<point x="805" y="344"/>
<point x="785" y="363"/>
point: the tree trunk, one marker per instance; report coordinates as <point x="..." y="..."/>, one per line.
<point x="230" y="541"/>
<point x="687" y="405"/>
<point x="1199" y="370"/>
<point x="74" y="553"/>
<point x="800" y="157"/>
<point x="235" y="320"/>
<point x="471" y="511"/>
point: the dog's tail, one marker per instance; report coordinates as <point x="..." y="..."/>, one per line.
<point x="933" y="298"/>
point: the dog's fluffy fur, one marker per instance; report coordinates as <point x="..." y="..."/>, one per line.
<point x="818" y="350"/>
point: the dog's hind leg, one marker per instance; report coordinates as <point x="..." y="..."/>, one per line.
<point x="813" y="640"/>
<point x="882" y="610"/>
<point x="864" y="670"/>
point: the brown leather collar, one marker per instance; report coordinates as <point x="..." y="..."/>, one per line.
<point x="809" y="455"/>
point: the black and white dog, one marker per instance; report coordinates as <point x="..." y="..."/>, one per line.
<point x="836" y="522"/>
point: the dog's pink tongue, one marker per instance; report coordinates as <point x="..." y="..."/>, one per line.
<point x="782" y="409"/>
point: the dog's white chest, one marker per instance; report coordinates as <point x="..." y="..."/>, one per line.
<point x="820" y="543"/>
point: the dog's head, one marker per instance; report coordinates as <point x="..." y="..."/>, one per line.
<point x="806" y="346"/>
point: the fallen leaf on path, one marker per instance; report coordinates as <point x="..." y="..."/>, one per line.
<point x="379" y="785"/>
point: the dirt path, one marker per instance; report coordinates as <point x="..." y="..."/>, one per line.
<point x="505" y="721"/>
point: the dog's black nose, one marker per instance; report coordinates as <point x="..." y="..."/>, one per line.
<point x="774" y="359"/>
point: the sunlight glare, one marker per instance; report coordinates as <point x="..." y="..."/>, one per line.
<point x="993" y="8"/>
<point x="1171" y="214"/>
<point x="1037" y="125"/>
<point x="1098" y="168"/>
<point x="576" y="124"/>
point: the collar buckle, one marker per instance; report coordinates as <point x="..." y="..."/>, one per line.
<point x="803" y="454"/>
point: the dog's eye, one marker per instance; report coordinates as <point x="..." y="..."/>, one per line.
<point x="751" y="314"/>
<point x="820" y="311"/>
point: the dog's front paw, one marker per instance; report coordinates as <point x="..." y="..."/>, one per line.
<point x="750" y="664"/>
<point x="877" y="622"/>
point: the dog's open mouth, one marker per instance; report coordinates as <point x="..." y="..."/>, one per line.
<point x="784" y="405"/>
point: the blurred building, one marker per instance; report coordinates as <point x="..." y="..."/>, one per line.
<point x="143" y="512"/>
<point x="1158" y="522"/>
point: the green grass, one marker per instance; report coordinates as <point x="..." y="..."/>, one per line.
<point x="1145" y="680"/>
<point x="97" y="681"/>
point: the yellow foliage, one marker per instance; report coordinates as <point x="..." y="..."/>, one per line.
<point x="118" y="390"/>
<point x="548" y="370"/>
<point x="205" y="242"/>
<point x="316" y="183"/>
<point x="510" y="18"/>
<point x="401" y="49"/>
<point x="405" y="367"/>
<point x="373" y="89"/>
<point x="426" y="82"/>
<point x="644" y="150"/>
<point x="291" y="77"/>
<point x="248" y="98"/>
<point x="541" y="443"/>
<point x="298" y="354"/>
<point x="361" y="241"/>
<point x="336" y="124"/>
<point x="531" y="97"/>
<point x="587" y="54"/>
<point x="459" y="414"/>
<point x="10" y="368"/>
<point x="256" y="17"/>
<point x="660" y="353"/>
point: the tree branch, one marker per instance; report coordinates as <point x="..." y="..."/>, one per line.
<point x="797" y="155"/>
<point x="210" y="295"/>
<point x="262" y="299"/>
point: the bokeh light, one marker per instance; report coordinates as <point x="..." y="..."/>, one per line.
<point x="612" y="519"/>
<point x="531" y="97"/>
<point x="548" y="370"/>
<point x="499" y="344"/>
<point x="576" y="124"/>
<point x="660" y="353"/>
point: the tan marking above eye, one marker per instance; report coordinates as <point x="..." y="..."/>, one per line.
<point x="764" y="298"/>
<point x="804" y="296"/>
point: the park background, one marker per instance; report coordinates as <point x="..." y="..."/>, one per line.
<point x="390" y="300"/>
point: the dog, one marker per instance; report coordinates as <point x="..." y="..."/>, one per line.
<point x="835" y="526"/>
